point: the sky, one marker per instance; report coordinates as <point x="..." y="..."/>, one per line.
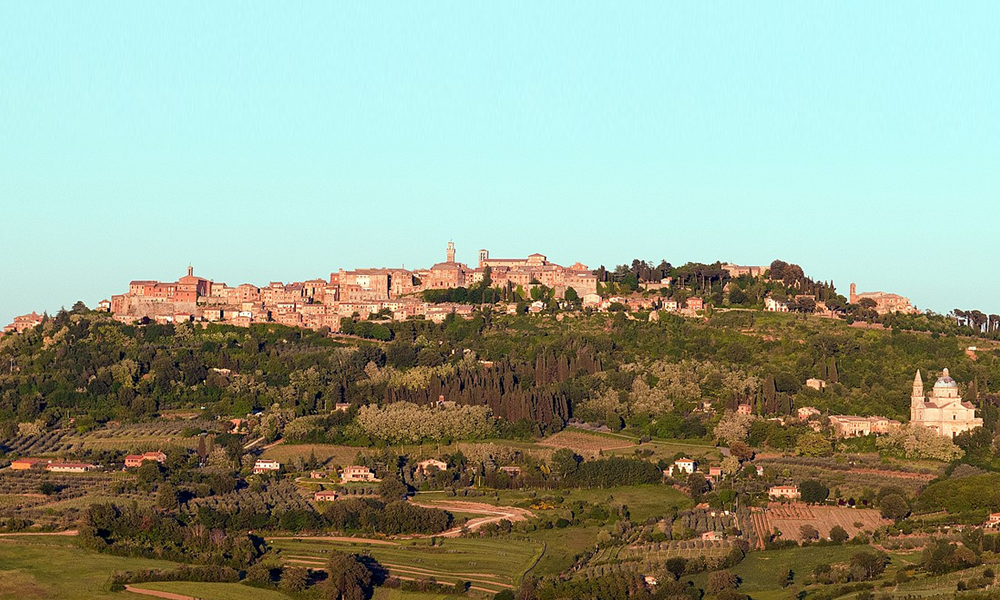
<point x="281" y="141"/>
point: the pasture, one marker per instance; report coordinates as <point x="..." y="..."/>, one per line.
<point x="487" y="564"/>
<point x="43" y="567"/>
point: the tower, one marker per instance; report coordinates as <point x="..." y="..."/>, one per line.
<point x="450" y="253"/>
<point x="190" y="271"/>
<point x="917" y="399"/>
<point x="484" y="255"/>
<point x="854" y="300"/>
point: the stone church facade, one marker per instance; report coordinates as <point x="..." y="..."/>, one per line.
<point x="942" y="410"/>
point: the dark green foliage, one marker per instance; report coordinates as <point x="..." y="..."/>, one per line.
<point x="813" y="492"/>
<point x="976" y="493"/>
<point x="368" y="515"/>
<point x="616" y="471"/>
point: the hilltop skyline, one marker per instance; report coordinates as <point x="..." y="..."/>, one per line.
<point x="262" y="144"/>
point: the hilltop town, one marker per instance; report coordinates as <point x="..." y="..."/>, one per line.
<point x="532" y="283"/>
<point x="651" y="431"/>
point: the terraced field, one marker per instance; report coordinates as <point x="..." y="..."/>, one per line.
<point x="489" y="565"/>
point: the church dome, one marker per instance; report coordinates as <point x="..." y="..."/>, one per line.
<point x="945" y="381"/>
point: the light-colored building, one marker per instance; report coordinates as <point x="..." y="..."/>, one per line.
<point x="772" y="305"/>
<point x="816" y="384"/>
<point x="785" y="492"/>
<point x="855" y="426"/>
<point x="69" y="467"/>
<point x="266" y="466"/>
<point x="325" y="496"/>
<point x="355" y="473"/>
<point x="136" y="460"/>
<point x="884" y="303"/>
<point x="685" y="465"/>
<point x="807" y="412"/>
<point x="424" y="466"/>
<point x="942" y="410"/>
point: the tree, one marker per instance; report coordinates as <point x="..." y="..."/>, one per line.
<point x="893" y="506"/>
<point x="347" y="578"/>
<point x="258" y="574"/>
<point x="720" y="581"/>
<point x="697" y="484"/>
<point x="294" y="579"/>
<point x="813" y="492"/>
<point x="564" y="462"/>
<point x="166" y="497"/>
<point x="867" y="565"/>
<point x="807" y="533"/>
<point x="741" y="450"/>
<point x="391" y="489"/>
<point x="813" y="444"/>
<point x="676" y="566"/>
<point x="838" y="535"/>
<point x="734" y="427"/>
<point x="47" y="488"/>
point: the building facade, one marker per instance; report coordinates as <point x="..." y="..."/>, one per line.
<point x="942" y="410"/>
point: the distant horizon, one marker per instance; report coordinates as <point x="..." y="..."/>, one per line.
<point x="260" y="142"/>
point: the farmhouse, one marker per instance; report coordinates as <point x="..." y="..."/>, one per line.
<point x="136" y="460"/>
<point x="685" y="465"/>
<point x="993" y="521"/>
<point x="23" y="464"/>
<point x="512" y="471"/>
<point x="788" y="492"/>
<point x="710" y="536"/>
<point x="69" y="467"/>
<point x="424" y="465"/>
<point x="357" y="473"/>
<point x="266" y="466"/>
<point x="325" y="496"/>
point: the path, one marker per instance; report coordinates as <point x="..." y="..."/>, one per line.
<point x="68" y="532"/>
<point x="494" y="514"/>
<point x="158" y="594"/>
<point x="336" y="539"/>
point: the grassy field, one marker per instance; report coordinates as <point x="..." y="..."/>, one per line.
<point x="41" y="567"/>
<point x="211" y="591"/>
<point x="487" y="563"/>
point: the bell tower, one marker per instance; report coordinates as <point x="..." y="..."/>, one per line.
<point x="484" y="255"/>
<point x="450" y="252"/>
<point x="853" y="299"/>
<point x="917" y="399"/>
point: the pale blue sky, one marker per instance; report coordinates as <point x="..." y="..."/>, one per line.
<point x="280" y="141"/>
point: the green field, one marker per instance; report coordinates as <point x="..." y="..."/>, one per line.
<point x="211" y="591"/>
<point x="491" y="564"/>
<point x="41" y="567"/>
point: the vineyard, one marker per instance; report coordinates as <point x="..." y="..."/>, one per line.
<point x="20" y="497"/>
<point x="138" y="437"/>
<point x="585" y="443"/>
<point x="652" y="557"/>
<point x="281" y="496"/>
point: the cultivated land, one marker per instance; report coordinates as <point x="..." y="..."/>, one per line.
<point x="586" y="511"/>
<point x="45" y="567"/>
<point x="488" y="564"/>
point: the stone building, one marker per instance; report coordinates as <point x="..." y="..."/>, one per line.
<point x="884" y="303"/>
<point x="942" y="410"/>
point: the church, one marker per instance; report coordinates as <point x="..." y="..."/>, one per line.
<point x="943" y="409"/>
